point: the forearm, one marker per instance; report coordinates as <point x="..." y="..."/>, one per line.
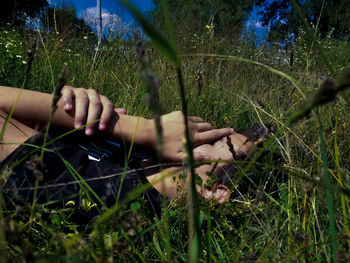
<point x="133" y="128"/>
<point x="33" y="109"/>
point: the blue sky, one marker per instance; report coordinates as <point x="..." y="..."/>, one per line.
<point x="117" y="18"/>
<point x="112" y="6"/>
<point x="111" y="10"/>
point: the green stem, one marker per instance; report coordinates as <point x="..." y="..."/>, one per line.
<point x="193" y="210"/>
<point x="329" y="198"/>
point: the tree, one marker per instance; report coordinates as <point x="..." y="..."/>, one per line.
<point x="16" y="12"/>
<point x="65" y="22"/>
<point x="286" y="17"/>
<point x="226" y="16"/>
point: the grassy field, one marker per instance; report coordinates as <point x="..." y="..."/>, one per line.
<point x="230" y="83"/>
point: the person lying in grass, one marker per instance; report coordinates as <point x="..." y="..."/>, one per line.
<point x="75" y="167"/>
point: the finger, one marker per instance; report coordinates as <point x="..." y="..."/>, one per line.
<point x="120" y="110"/>
<point x="212" y="135"/>
<point x="67" y="96"/>
<point x="94" y="111"/>
<point x="203" y="126"/>
<point x="194" y="119"/>
<point x="107" y="113"/>
<point x="81" y="107"/>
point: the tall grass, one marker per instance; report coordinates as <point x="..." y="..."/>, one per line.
<point x="237" y="85"/>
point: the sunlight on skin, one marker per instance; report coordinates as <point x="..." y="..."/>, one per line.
<point x="219" y="150"/>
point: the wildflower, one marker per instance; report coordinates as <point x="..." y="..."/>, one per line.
<point x="85" y="37"/>
<point x="18" y="56"/>
<point x="24" y="62"/>
<point x="209" y="27"/>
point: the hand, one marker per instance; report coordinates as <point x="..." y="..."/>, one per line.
<point x="219" y="192"/>
<point x="169" y="184"/>
<point x="173" y="147"/>
<point x="86" y="105"/>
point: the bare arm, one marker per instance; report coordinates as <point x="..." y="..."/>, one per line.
<point x="33" y="109"/>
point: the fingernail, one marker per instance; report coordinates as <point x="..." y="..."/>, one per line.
<point x="78" y="125"/>
<point x="89" y="131"/>
<point x="232" y="130"/>
<point x="102" y="126"/>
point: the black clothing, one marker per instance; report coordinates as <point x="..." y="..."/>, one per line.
<point x="76" y="171"/>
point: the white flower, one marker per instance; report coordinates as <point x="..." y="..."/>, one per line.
<point x="85" y="37"/>
<point x="24" y="62"/>
<point x="18" y="56"/>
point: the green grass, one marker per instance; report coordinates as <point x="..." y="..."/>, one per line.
<point x="231" y="84"/>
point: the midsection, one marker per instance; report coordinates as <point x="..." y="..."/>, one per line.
<point x="15" y="134"/>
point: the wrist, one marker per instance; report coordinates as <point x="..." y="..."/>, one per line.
<point x="146" y="135"/>
<point x="137" y="129"/>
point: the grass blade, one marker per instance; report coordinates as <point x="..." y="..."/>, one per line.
<point x="163" y="45"/>
<point x="168" y="50"/>
<point x="327" y="180"/>
<point x="193" y="209"/>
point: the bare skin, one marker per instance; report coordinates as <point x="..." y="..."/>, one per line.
<point x="16" y="133"/>
<point x="169" y="186"/>
<point x="80" y="106"/>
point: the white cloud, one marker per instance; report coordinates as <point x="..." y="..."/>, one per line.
<point x="109" y="20"/>
<point x="258" y="24"/>
<point x="254" y="23"/>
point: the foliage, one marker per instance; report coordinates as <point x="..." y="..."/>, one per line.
<point x="16" y="12"/>
<point x="226" y="17"/>
<point x="13" y="57"/>
<point x="65" y="22"/>
<point x="227" y="83"/>
<point x="287" y="17"/>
